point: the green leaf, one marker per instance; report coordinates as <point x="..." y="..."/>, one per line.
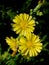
<point x="44" y="37"/>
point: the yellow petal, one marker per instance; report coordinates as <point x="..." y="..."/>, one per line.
<point x="24" y="16"/>
<point x="8" y="40"/>
<point x="39" y="47"/>
<point x="16" y="20"/>
<point x="35" y="52"/>
<point x="32" y="22"/>
<point x="28" y="34"/>
<point x="33" y="37"/>
<point x="12" y="43"/>
<point x="16" y="28"/>
<point x="21" y="17"/>
<point x="38" y="50"/>
<point x="23" y="40"/>
<point x="21" y="47"/>
<point x="37" y="40"/>
<point x="30" y="53"/>
<point x="27" y="17"/>
<point x="38" y="44"/>
<point x="26" y="53"/>
<point x="18" y="31"/>
<point x="24" y="50"/>
<point x="30" y="17"/>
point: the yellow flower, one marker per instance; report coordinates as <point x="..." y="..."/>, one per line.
<point x="23" y="24"/>
<point x="12" y="42"/>
<point x="30" y="47"/>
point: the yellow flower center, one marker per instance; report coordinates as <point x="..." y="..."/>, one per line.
<point x="23" y="24"/>
<point x="29" y="44"/>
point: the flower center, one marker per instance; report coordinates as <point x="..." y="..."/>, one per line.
<point x="23" y="24"/>
<point x="29" y="44"/>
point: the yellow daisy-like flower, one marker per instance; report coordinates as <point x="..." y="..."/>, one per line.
<point x="30" y="47"/>
<point x="23" y="24"/>
<point x="12" y="42"/>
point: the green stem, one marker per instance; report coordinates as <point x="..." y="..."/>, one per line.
<point x="44" y="1"/>
<point x="8" y="50"/>
<point x="37" y="7"/>
<point x="16" y="56"/>
<point x="45" y="45"/>
<point x="5" y="54"/>
<point x="44" y="38"/>
<point x="46" y="50"/>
